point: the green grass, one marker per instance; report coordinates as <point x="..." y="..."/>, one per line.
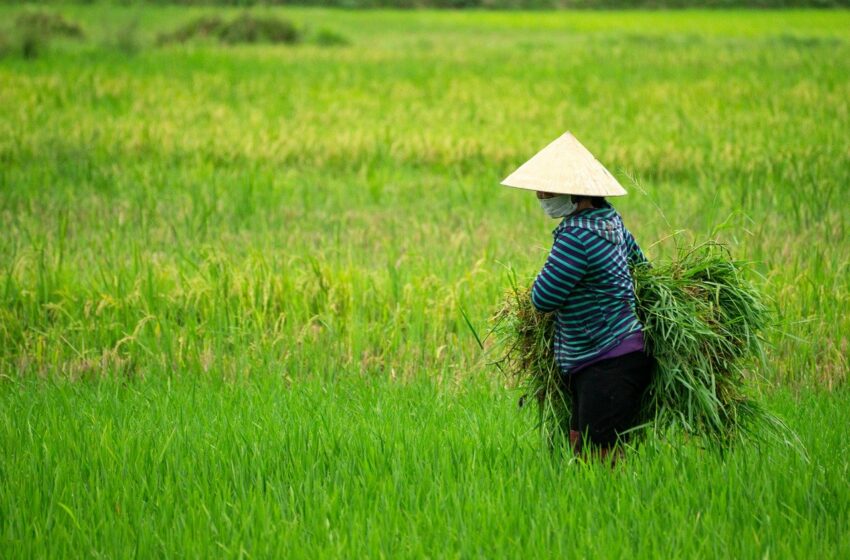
<point x="201" y="469"/>
<point x="263" y="248"/>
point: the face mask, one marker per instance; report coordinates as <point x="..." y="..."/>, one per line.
<point x="558" y="206"/>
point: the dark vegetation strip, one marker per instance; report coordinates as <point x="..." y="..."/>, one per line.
<point x="511" y="4"/>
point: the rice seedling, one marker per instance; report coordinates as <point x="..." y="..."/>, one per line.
<point x="197" y="467"/>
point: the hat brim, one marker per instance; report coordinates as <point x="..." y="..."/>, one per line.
<point x="565" y="167"/>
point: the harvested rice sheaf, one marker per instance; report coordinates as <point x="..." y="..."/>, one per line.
<point x="703" y="325"/>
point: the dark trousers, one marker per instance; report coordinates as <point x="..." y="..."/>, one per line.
<point x="606" y="397"/>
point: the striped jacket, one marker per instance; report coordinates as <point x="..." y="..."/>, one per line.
<point x="586" y="280"/>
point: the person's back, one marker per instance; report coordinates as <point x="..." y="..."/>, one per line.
<point x="586" y="280"/>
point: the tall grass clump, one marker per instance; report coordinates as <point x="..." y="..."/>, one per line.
<point x="703" y="324"/>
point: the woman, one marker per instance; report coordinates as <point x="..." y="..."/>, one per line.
<point x="599" y="344"/>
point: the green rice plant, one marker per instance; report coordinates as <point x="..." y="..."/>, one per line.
<point x="193" y="466"/>
<point x="703" y="323"/>
<point x="230" y="282"/>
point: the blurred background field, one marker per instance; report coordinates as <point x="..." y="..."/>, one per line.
<point x="304" y="209"/>
<point x="229" y="215"/>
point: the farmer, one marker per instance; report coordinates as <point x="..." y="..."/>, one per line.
<point x="599" y="345"/>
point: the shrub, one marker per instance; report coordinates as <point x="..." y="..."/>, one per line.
<point x="32" y="44"/>
<point x="35" y="29"/>
<point x="5" y="44"/>
<point x="125" y="39"/>
<point x="203" y="27"/>
<point x="330" y="38"/>
<point x="48" y="24"/>
<point x="250" y="29"/>
<point x="245" y="28"/>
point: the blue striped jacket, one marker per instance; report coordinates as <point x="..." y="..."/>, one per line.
<point x="586" y="281"/>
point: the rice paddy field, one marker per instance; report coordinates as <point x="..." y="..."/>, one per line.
<point x="235" y="280"/>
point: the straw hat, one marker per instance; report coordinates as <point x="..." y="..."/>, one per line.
<point x="565" y="167"/>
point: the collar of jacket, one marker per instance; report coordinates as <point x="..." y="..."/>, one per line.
<point x="604" y="222"/>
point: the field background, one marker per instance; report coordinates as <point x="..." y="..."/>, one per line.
<point x="232" y="280"/>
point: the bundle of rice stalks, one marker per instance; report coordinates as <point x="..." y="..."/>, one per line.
<point x="703" y="325"/>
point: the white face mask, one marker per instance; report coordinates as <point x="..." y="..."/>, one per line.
<point x="558" y="206"/>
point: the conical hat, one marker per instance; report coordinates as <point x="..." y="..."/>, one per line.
<point x="565" y="167"/>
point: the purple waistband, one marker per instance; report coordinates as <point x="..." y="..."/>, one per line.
<point x="632" y="343"/>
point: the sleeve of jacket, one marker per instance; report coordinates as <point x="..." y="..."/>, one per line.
<point x="636" y="256"/>
<point x="564" y="268"/>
